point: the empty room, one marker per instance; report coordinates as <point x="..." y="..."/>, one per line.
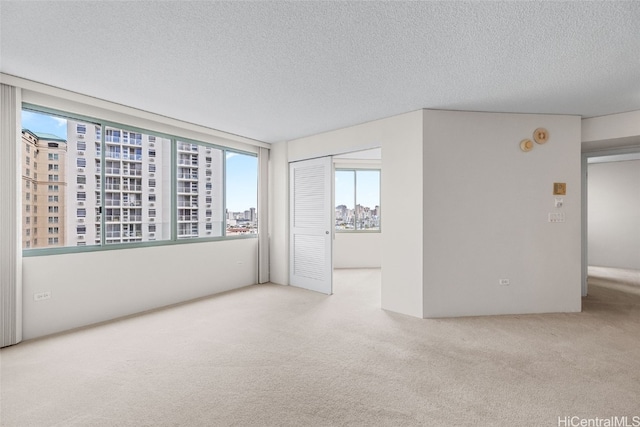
<point x="319" y="213"/>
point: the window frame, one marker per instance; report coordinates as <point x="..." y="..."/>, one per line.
<point x="355" y="197"/>
<point x="102" y="124"/>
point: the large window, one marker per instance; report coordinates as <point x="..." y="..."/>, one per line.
<point x="120" y="180"/>
<point x="357" y="200"/>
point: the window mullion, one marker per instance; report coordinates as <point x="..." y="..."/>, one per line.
<point x="174" y="190"/>
<point x="355" y="200"/>
<point x="103" y="179"/>
<point x="224" y="193"/>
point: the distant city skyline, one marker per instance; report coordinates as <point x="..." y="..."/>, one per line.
<point x="368" y="188"/>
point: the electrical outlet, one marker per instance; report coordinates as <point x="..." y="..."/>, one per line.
<point x="41" y="296"/>
<point x="556" y="217"/>
<point x="504" y="282"/>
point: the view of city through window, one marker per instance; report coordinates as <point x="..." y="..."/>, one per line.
<point x="357" y="200"/>
<point x="241" y="193"/>
<point x="63" y="192"/>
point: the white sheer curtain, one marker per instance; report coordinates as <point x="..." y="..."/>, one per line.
<point x="10" y="217"/>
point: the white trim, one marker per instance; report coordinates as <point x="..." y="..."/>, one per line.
<point x="585" y="229"/>
<point x="614" y="154"/>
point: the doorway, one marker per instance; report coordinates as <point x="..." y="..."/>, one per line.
<point x="358" y="222"/>
<point x="610" y="213"/>
<point x="325" y="229"/>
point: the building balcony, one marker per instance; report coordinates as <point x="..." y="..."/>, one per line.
<point x="133" y="157"/>
<point x="134" y="188"/>
<point x="191" y="148"/>
<point x="188" y="204"/>
<point x="189" y="176"/>
<point x="187" y="191"/>
<point x="186" y="234"/>
<point x="134" y="142"/>
<point x="188" y="162"/>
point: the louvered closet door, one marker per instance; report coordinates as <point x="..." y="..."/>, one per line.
<point x="310" y="214"/>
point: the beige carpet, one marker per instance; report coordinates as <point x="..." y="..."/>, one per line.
<point x="281" y="356"/>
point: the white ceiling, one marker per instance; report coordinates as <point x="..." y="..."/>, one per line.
<point x="280" y="70"/>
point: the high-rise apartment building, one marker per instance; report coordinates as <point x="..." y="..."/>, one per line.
<point x="199" y="193"/>
<point x="44" y="185"/>
<point x="135" y="205"/>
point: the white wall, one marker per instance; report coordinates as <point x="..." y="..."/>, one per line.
<point x="485" y="215"/>
<point x="91" y="287"/>
<point x="614" y="214"/>
<point x="464" y="207"/>
<point x="401" y="140"/>
<point x="279" y="214"/>
<point x="612" y="131"/>
<point x="357" y="250"/>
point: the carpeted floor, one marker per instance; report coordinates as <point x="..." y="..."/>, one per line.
<point x="281" y="356"/>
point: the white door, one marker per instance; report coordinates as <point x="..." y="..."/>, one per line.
<point x="310" y="227"/>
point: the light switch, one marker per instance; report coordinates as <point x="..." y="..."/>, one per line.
<point x="559" y="202"/>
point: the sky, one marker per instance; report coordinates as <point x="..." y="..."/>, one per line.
<point x="37" y="122"/>
<point x="242" y="170"/>
<point x="242" y="182"/>
<point x="367" y="192"/>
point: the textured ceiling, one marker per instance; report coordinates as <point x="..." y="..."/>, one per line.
<point x="280" y="70"/>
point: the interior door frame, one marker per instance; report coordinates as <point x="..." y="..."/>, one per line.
<point x="610" y="152"/>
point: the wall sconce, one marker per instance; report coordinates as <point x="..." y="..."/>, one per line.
<point x="526" y="145"/>
<point x="540" y="135"/>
